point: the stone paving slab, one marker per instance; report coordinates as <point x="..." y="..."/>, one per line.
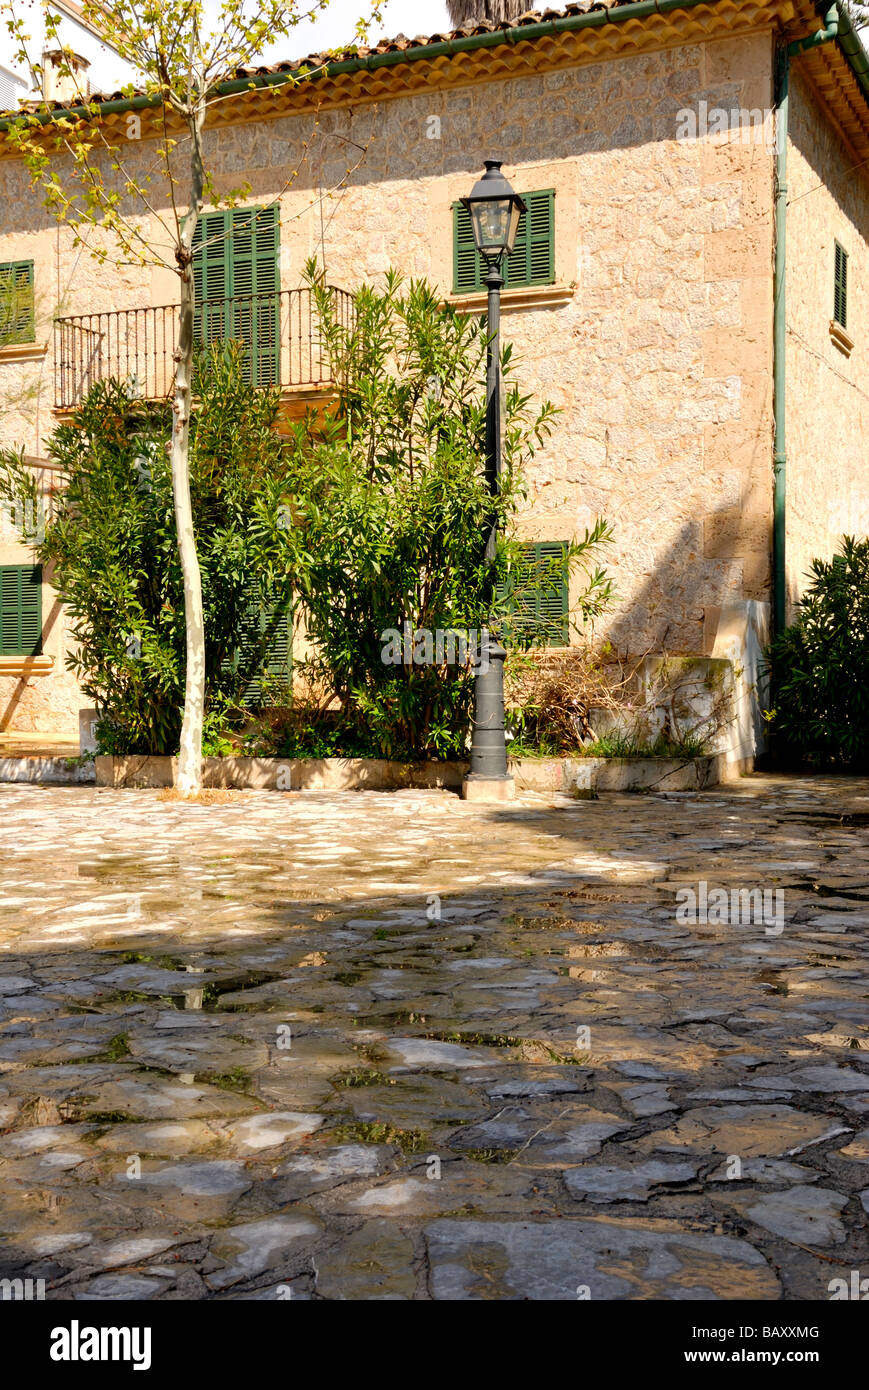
<point x="396" y="1046"/>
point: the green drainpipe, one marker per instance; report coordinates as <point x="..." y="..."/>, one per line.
<point x="779" y="510"/>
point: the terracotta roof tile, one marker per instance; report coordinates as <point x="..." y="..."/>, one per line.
<point x="397" y="45"/>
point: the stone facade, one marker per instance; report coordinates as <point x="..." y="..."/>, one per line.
<point x="655" y="341"/>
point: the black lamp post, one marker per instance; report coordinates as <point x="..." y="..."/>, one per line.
<point x="495" y="211"/>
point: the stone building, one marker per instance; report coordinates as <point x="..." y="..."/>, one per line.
<point x="690" y="297"/>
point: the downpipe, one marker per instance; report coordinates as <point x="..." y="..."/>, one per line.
<point x="779" y="514"/>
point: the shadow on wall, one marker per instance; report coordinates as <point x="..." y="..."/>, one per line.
<point x="729" y="624"/>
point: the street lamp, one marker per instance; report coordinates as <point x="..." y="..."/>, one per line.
<point x="495" y="211"/>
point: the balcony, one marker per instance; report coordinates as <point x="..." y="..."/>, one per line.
<point x="284" y="343"/>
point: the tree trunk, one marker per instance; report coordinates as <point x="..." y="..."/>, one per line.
<point x="190" y="751"/>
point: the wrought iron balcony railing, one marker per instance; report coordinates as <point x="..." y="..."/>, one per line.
<point x="284" y="343"/>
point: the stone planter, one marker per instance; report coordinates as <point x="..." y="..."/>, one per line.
<point x="567" y="775"/>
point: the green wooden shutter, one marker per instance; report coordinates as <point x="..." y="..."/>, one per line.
<point x="538" y="601"/>
<point x="532" y="260"/>
<point x="253" y="274"/>
<point x="840" y="290"/>
<point x="210" y="278"/>
<point x="236" y="277"/>
<point x="17" y="307"/>
<point x="467" y="264"/>
<point x="20" y="610"/>
<point x="279" y="658"/>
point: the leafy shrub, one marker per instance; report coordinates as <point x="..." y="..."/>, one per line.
<point x="390" y="509"/>
<point x="373" y="515"/>
<point x="819" y="666"/>
<point x="114" y="561"/>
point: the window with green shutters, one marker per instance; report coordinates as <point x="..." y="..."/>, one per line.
<point x="537" y="595"/>
<point x="278" y="665"/>
<point x="17" y="308"/>
<point x="840" y="290"/>
<point x="20" y="610"/>
<point x="236" y="273"/>
<point x="532" y="260"/>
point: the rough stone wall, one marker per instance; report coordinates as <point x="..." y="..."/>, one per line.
<point x="657" y="348"/>
<point x="827" y="401"/>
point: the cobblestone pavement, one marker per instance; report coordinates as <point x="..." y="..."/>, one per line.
<point x="395" y="1046"/>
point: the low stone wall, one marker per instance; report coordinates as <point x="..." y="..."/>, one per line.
<point x="54" y="771"/>
<point x="569" y="775"/>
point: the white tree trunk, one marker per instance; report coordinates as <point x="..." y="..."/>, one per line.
<point x="190" y="751"/>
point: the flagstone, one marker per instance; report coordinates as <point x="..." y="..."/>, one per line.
<point x="601" y="1183"/>
<point x="374" y="1263"/>
<point x="119" y="1287"/>
<point x="564" y="1260"/>
<point x="270" y="1130"/>
<point x="212" y="1178"/>
<point x="806" y="1214"/>
<point x="750" y="1131"/>
<point x="250" y="1249"/>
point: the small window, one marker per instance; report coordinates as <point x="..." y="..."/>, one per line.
<point x="20" y="610"/>
<point x="532" y="260"/>
<point x="277" y="661"/>
<point x="17" y="316"/>
<point x="840" y="290"/>
<point x="537" y="595"/>
<point x="236" y="275"/>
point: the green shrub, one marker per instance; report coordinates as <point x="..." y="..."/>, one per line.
<point x="388" y="510"/>
<point x="113" y="556"/>
<point x="819" y="666"/>
<point x="371" y="516"/>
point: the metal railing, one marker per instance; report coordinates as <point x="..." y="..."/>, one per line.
<point x="283" y="338"/>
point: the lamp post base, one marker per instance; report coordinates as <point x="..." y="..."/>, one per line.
<point x="477" y="787"/>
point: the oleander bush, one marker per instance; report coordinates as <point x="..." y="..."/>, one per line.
<point x="819" y="667"/>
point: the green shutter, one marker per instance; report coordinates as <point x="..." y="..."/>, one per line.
<point x="532" y="260"/>
<point x="467" y="264"/>
<point x="20" y="610"/>
<point x="237" y="282"/>
<point x="17" y="305"/>
<point x="840" y="290"/>
<point x="210" y="277"/>
<point x="538" y="605"/>
<point x="279" y="658"/>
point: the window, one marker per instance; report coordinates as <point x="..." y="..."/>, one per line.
<point x="17" y="314"/>
<point x="20" y="610"/>
<point x="840" y="290"/>
<point x="236" y="277"/>
<point x="532" y="260"/>
<point x="278" y="662"/>
<point x="537" y="596"/>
